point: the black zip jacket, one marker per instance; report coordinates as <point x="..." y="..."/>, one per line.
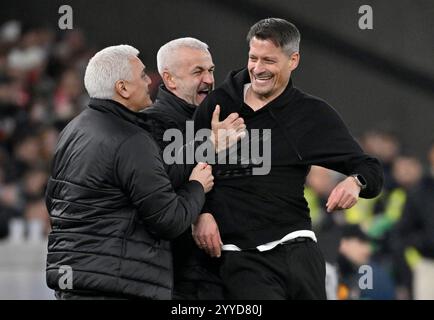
<point x="170" y="112"/>
<point x="256" y="209"/>
<point x="112" y="206"/>
<point x="190" y="263"/>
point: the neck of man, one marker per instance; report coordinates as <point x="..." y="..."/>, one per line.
<point x="126" y="104"/>
<point x="257" y="101"/>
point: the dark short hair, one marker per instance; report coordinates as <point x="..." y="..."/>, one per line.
<point x="353" y="231"/>
<point x="281" y="32"/>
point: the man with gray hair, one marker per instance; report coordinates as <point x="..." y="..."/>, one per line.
<point x="187" y="70"/>
<point x="112" y="207"/>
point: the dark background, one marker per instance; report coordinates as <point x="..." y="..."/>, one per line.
<point x="377" y="79"/>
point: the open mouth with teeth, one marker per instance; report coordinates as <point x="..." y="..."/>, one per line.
<point x="263" y="79"/>
<point x="202" y="93"/>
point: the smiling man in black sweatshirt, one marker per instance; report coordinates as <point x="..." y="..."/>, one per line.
<point x="270" y="251"/>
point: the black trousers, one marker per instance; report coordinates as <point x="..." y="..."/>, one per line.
<point x="196" y="275"/>
<point x="289" y="271"/>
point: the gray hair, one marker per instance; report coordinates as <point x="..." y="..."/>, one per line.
<point x="106" y="67"/>
<point x="167" y="52"/>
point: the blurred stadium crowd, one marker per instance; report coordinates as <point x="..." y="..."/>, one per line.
<point x="41" y="90"/>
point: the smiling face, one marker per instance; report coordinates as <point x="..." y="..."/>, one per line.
<point x="269" y="68"/>
<point x="192" y="75"/>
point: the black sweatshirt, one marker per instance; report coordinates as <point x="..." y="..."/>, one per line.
<point x="255" y="209"/>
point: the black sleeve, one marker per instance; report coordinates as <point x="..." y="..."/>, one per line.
<point x="327" y="142"/>
<point x="203" y="114"/>
<point x="202" y="120"/>
<point x="140" y="172"/>
<point x="178" y="172"/>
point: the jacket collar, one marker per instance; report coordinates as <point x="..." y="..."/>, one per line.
<point x="178" y="105"/>
<point x="119" y="110"/>
<point x="234" y="85"/>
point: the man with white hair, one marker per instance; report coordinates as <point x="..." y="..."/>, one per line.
<point x="187" y="70"/>
<point x="112" y="206"/>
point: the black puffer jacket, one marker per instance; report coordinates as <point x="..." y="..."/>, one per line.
<point x="112" y="206"/>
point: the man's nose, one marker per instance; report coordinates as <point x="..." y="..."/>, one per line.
<point x="208" y="78"/>
<point x="259" y="67"/>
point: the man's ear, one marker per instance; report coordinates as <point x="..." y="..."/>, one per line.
<point x="169" y="81"/>
<point x="294" y="60"/>
<point x="121" y="89"/>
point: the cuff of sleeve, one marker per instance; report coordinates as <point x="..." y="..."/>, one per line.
<point x="195" y="187"/>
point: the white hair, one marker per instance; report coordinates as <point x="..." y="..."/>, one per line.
<point x="167" y="53"/>
<point x="106" y="67"/>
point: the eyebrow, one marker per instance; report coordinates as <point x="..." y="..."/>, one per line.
<point x="264" y="58"/>
<point x="203" y="68"/>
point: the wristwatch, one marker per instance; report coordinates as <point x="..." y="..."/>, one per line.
<point x="360" y="180"/>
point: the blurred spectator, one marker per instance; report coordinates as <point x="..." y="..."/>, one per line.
<point x="319" y="184"/>
<point x="48" y="136"/>
<point x="34" y="184"/>
<point x="41" y="90"/>
<point x="10" y="31"/>
<point x="27" y="153"/>
<point x="69" y="96"/>
<point x="354" y="252"/>
<point x="386" y="147"/>
<point x="407" y="172"/>
<point x="413" y="238"/>
<point x="11" y="206"/>
<point x="12" y="115"/>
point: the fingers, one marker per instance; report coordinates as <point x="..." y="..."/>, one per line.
<point x="225" y="133"/>
<point x="207" y="245"/>
<point x="215" y="249"/>
<point x="211" y="244"/>
<point x="241" y="127"/>
<point x="231" y="118"/>
<point x="202" y="165"/>
<point x="216" y="115"/>
<point x="197" y="241"/>
<point x="347" y="202"/>
<point x="241" y="134"/>
<point x="340" y="199"/>
<point x="237" y="123"/>
<point x="334" y="199"/>
<point x="206" y="235"/>
<point x="200" y="242"/>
